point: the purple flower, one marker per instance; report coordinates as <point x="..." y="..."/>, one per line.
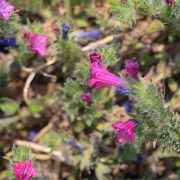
<point x="95" y="33"/>
<point x="65" y="30"/>
<point x="32" y="133"/>
<point x="101" y="77"/>
<point x="131" y="68"/>
<point x="87" y="97"/>
<point x="125" y="130"/>
<point x="121" y="89"/>
<point x="73" y="144"/>
<point x="94" y="57"/>
<point x="11" y="41"/>
<point x="5" y="10"/>
<point x="139" y="158"/>
<point x="128" y="105"/>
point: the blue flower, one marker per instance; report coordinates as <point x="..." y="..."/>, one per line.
<point x="122" y="89"/>
<point x="65" y="30"/>
<point x="139" y="158"/>
<point x="9" y="42"/>
<point x="73" y="144"/>
<point x="128" y="106"/>
<point x="95" y="33"/>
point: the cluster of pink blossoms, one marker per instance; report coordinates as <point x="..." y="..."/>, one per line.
<point x="5" y="10"/>
<point x="37" y="43"/>
<point x="24" y="170"/>
<point x="101" y="78"/>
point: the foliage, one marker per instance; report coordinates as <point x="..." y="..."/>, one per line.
<point x="128" y="11"/>
<point x="48" y="88"/>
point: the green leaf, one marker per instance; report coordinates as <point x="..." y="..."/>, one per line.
<point x="8" y="106"/>
<point x="109" y="55"/>
<point x="8" y="159"/>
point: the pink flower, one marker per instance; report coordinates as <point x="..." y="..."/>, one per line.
<point x="101" y="77"/>
<point x="38" y="44"/>
<point x="87" y="97"/>
<point x="131" y="68"/>
<point x="26" y="33"/>
<point x="94" y="57"/>
<point x="125" y="130"/>
<point x="24" y="170"/>
<point x="5" y="9"/>
<point x="122" y="1"/>
<point x="55" y="28"/>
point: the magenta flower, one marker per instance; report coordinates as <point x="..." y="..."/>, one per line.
<point x="168" y="2"/>
<point x="122" y="1"/>
<point x="125" y="130"/>
<point x="94" y="57"/>
<point x="26" y="33"/>
<point x="55" y="28"/>
<point x="24" y="170"/>
<point x="87" y="97"/>
<point x="101" y="77"/>
<point x="38" y="44"/>
<point x="131" y="68"/>
<point x="5" y="10"/>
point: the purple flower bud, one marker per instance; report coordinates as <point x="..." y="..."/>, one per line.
<point x="73" y="144"/>
<point x="65" y="29"/>
<point x="95" y="33"/>
<point x="32" y="133"/>
<point x="55" y="28"/>
<point x="168" y="2"/>
<point x="139" y="158"/>
<point x="10" y="42"/>
<point x="122" y="89"/>
<point x="128" y="105"/>
<point x="87" y="97"/>
<point x="94" y="57"/>
<point x="121" y="150"/>
<point x="131" y="68"/>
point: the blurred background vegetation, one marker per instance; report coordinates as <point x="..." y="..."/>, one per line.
<point x="69" y="138"/>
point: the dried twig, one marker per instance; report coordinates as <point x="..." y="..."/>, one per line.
<point x="58" y="154"/>
<point x="32" y="75"/>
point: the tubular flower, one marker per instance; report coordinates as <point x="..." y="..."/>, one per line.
<point x="131" y="68"/>
<point x="125" y="130"/>
<point x="87" y="97"/>
<point x="5" y="10"/>
<point x="101" y="77"/>
<point x="94" y="57"/>
<point x="38" y="44"/>
<point x="24" y="170"/>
